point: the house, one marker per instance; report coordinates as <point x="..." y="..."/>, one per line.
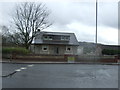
<point x="54" y="43"/>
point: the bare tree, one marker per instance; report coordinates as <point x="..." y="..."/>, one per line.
<point x="5" y="30"/>
<point x="29" y="18"/>
<point x="4" y="34"/>
<point x="16" y="39"/>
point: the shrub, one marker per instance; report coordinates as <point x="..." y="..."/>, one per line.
<point x="110" y="52"/>
<point x="14" y="50"/>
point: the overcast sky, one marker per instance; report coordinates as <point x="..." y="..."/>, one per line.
<point x="77" y="17"/>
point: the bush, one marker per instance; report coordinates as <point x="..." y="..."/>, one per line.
<point x="14" y="50"/>
<point x="110" y="52"/>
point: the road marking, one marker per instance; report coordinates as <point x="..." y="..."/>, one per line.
<point x="18" y="70"/>
<point x="30" y="65"/>
<point x="23" y="68"/>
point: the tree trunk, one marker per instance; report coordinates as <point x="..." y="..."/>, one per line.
<point x="27" y="46"/>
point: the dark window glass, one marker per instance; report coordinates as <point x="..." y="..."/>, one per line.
<point x="44" y="48"/>
<point x="68" y="49"/>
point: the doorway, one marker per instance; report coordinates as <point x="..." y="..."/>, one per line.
<point x="56" y="50"/>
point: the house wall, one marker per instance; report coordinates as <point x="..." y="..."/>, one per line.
<point x="80" y="50"/>
<point x="52" y="49"/>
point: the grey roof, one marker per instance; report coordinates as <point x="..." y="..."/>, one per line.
<point x="72" y="41"/>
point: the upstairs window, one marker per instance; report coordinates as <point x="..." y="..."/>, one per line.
<point x="50" y="38"/>
<point x="56" y="37"/>
<point x="47" y="38"/>
<point x="66" y="38"/>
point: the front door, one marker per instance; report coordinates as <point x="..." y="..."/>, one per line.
<point x="56" y="50"/>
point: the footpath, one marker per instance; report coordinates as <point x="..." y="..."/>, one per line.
<point x="52" y="62"/>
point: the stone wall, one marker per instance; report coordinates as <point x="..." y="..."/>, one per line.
<point x="37" y="49"/>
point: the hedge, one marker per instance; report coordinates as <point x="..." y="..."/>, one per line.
<point x="110" y="52"/>
<point x="14" y="50"/>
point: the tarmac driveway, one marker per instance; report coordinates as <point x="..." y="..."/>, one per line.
<point x="60" y="76"/>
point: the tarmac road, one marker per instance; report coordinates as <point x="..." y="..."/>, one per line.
<point x="60" y="76"/>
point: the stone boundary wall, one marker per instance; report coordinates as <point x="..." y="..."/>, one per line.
<point x="62" y="58"/>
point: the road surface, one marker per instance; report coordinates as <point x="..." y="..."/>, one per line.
<point x="59" y="76"/>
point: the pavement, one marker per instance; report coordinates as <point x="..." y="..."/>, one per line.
<point x="40" y="62"/>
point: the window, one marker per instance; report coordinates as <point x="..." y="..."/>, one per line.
<point x="45" y="48"/>
<point x="65" y="38"/>
<point x="62" y="37"/>
<point x="68" y="48"/>
<point x="47" y="37"/>
<point x="50" y="37"/>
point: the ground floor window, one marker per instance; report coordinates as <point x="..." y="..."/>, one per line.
<point x="45" y="48"/>
<point x="68" y="48"/>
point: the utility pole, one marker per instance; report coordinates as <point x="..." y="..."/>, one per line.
<point x="96" y="34"/>
<point x="96" y="25"/>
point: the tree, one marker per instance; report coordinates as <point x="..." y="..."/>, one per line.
<point x="5" y="34"/>
<point x="29" y="18"/>
<point x="5" y="30"/>
<point x="16" y="39"/>
<point x="110" y="52"/>
<point x="9" y="39"/>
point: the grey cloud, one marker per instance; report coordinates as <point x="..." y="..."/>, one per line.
<point x="119" y="16"/>
<point x="66" y="12"/>
<point x="108" y="14"/>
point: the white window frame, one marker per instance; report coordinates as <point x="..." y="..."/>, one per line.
<point x="44" y="46"/>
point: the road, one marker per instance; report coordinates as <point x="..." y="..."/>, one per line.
<point x="60" y="76"/>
